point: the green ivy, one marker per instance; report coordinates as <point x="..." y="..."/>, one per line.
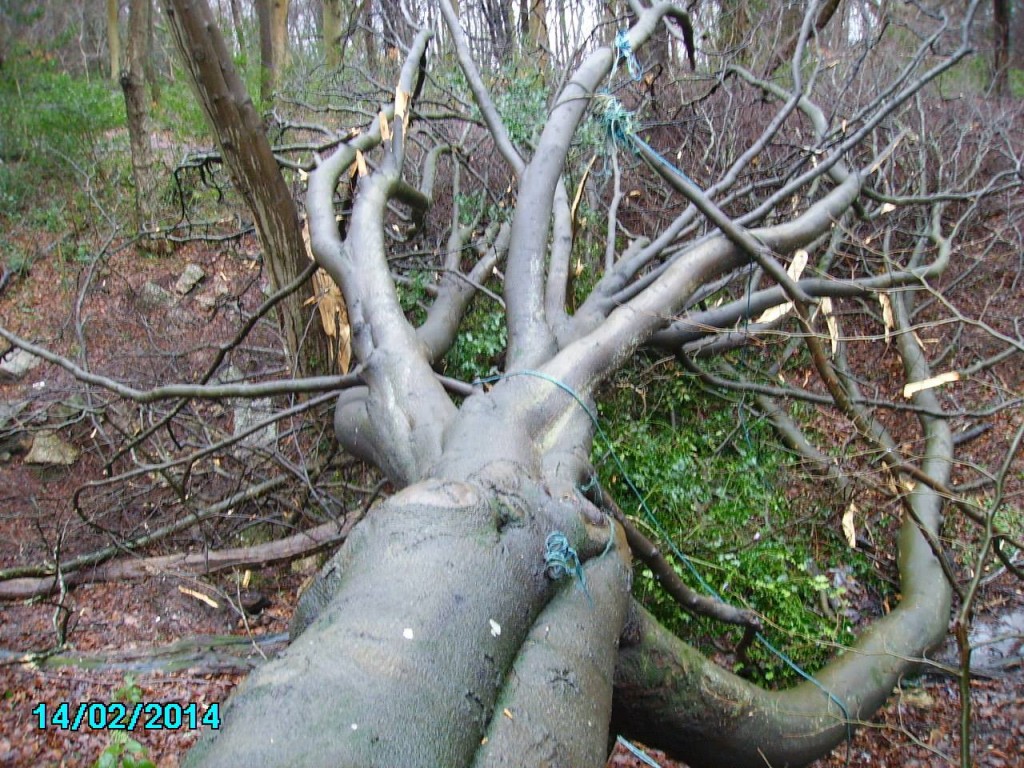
<point x="714" y="477"/>
<point x="481" y="340"/>
<point x="123" y="752"/>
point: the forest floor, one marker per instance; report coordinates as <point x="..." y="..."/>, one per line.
<point x="113" y="625"/>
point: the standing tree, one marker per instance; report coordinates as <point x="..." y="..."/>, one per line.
<point x="133" y="84"/>
<point x="254" y="170"/>
<point x="331" y="26"/>
<point x="114" y="38"/>
<point x="272" y="16"/>
<point x="441" y="633"/>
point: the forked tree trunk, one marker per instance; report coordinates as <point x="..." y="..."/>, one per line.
<point x="442" y="639"/>
<point x="440" y="634"/>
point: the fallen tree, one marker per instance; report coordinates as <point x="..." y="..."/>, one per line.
<point x="440" y="634"/>
<point x="483" y="614"/>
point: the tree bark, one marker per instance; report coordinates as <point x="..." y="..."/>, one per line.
<point x="268" y="60"/>
<point x="537" y="30"/>
<point x="443" y="604"/>
<point x="279" y="37"/>
<point x="133" y="83"/>
<point x="332" y="29"/>
<point x="114" y="38"/>
<point x="236" y="22"/>
<point x="254" y="172"/>
<point x="1001" y="44"/>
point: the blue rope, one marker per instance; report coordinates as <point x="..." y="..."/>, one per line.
<point x="569" y="554"/>
<point x="622" y="126"/>
<point x="638" y="753"/>
<point x="560" y="560"/>
<point x="624" y="50"/>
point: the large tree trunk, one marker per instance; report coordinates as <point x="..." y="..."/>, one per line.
<point x="254" y="170"/>
<point x="445" y="643"/>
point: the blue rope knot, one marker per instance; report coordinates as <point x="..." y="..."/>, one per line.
<point x="624" y="50"/>
<point x="560" y="560"/>
<point x="619" y="121"/>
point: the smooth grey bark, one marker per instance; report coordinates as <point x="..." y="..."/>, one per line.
<point x="441" y="606"/>
<point x="437" y="635"/>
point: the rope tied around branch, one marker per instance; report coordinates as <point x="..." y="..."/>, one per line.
<point x="622" y="126"/>
<point x="560" y="560"/>
<point x="624" y="50"/>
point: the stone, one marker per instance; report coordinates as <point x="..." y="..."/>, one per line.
<point x="189" y="279"/>
<point x="48" y="448"/>
<point x="248" y="413"/>
<point x="152" y="296"/>
<point x="10" y="411"/>
<point x="17" y="363"/>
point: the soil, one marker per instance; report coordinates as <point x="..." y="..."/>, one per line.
<point x="919" y="726"/>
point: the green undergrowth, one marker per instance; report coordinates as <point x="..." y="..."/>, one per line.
<point x="714" y="479"/>
<point x="479" y="347"/>
<point x="51" y="124"/>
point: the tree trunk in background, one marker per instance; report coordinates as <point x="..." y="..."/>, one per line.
<point x="268" y="69"/>
<point x="133" y="83"/>
<point x="1001" y="58"/>
<point x="793" y="20"/>
<point x="114" y="39"/>
<point x="396" y="32"/>
<point x="537" y="29"/>
<point x="279" y="37"/>
<point x="5" y="33"/>
<point x="148" y="68"/>
<point x="236" y="22"/>
<point x="254" y="171"/>
<point x="332" y="13"/>
<point x="733" y="28"/>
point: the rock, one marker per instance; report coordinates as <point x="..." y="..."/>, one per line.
<point x="10" y="411"/>
<point x="152" y="296"/>
<point x="189" y="279"/>
<point x="306" y="565"/>
<point x="248" y="413"/>
<point x="48" y="448"/>
<point x="17" y="363"/>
